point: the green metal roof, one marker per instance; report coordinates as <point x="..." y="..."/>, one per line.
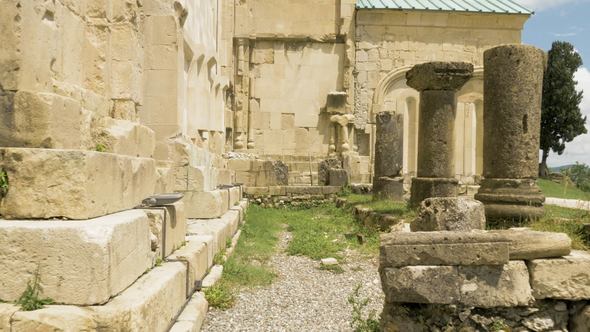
<point x="476" y="6"/>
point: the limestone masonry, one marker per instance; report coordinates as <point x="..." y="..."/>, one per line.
<point x="133" y="133"/>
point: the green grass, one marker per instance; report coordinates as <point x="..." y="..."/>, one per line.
<point x="248" y="266"/>
<point x="562" y="190"/>
<point x="560" y="220"/>
<point x="384" y="206"/>
<point x="320" y="232"/>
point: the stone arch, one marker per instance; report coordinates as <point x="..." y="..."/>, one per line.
<point x="406" y="101"/>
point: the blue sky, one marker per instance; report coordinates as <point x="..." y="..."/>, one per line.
<point x="567" y="20"/>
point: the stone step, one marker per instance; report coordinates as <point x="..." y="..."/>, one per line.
<point x="79" y="262"/>
<point x="211" y="204"/>
<point x="73" y="184"/>
<point x="151" y="304"/>
<point x="198" y="253"/>
<point x="127" y="138"/>
<point x="193" y="316"/>
<point x="222" y="229"/>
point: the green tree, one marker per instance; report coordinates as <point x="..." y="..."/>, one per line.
<point x="561" y="119"/>
<point x="580" y="175"/>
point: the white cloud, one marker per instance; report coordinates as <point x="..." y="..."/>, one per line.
<point x="539" y="5"/>
<point x="579" y="149"/>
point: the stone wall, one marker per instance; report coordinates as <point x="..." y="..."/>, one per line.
<point x="515" y="280"/>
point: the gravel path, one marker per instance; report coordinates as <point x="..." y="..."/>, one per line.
<point x="302" y="297"/>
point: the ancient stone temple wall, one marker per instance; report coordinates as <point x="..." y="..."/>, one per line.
<point x="102" y="105"/>
<point x="389" y="43"/>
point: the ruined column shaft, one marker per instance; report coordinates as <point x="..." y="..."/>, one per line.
<point x="436" y="134"/>
<point x="513" y="86"/>
<point x="389" y="149"/>
<point x="437" y="83"/>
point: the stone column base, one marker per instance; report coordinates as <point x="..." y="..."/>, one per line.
<point x="423" y="188"/>
<point x="389" y="188"/>
<point x="516" y="199"/>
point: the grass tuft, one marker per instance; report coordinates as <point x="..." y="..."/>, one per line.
<point x="31" y="298"/>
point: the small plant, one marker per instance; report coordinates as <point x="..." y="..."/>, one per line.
<point x="31" y="299"/>
<point x="359" y="323"/>
<point x="219" y="296"/>
<point x="3" y="183"/>
<point x="499" y="325"/>
<point x="101" y="147"/>
<point x="159" y="261"/>
<point x="228" y="243"/>
<point x="219" y="258"/>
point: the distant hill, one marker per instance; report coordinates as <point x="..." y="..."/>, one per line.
<point x="559" y="169"/>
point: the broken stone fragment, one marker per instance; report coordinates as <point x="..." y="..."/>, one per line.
<point x="442" y="248"/>
<point x="329" y="261"/>
<point x="449" y="214"/>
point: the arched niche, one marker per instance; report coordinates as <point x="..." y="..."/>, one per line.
<point x="393" y="95"/>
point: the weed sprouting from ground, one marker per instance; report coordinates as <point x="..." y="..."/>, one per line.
<point x="220" y="296"/>
<point x="336" y="269"/>
<point x="359" y="322"/>
<point x="31" y="299"/>
<point x="3" y="183"/>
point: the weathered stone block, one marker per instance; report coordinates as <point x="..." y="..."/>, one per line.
<point x="127" y="138"/>
<point x="54" y="318"/>
<point x="206" y="205"/>
<point x="192" y="317"/>
<point x="42" y="120"/>
<point x="414" y="284"/>
<point x="442" y="248"/>
<point x="439" y="75"/>
<point x="566" y="278"/>
<point x="107" y="254"/>
<point x="423" y="188"/>
<point x="196" y="253"/>
<point x="389" y="188"/>
<point x="496" y="286"/>
<point x="150" y="304"/>
<point x="175" y="219"/>
<point x="580" y="321"/>
<point x="478" y="286"/>
<point x="337" y="177"/>
<point x="527" y="244"/>
<point x="6" y="312"/>
<point x="73" y="184"/>
<point x="449" y="214"/>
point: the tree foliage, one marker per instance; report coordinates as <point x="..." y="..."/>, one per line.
<point x="580" y="175"/>
<point x="561" y="119"/>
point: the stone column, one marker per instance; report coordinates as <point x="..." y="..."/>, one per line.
<point x="437" y="83"/>
<point x="389" y="149"/>
<point x="513" y="86"/>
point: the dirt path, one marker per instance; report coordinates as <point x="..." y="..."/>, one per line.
<point x="302" y="297"/>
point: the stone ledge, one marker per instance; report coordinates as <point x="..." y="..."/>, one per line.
<point x="443" y="248"/>
<point x="151" y="304"/>
<point x="193" y="316"/>
<point x="206" y="205"/>
<point x="566" y="278"/>
<point x="73" y="184"/>
<point x="175" y="226"/>
<point x="107" y="255"/>
<point x="199" y="257"/>
<point x="478" y="286"/>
